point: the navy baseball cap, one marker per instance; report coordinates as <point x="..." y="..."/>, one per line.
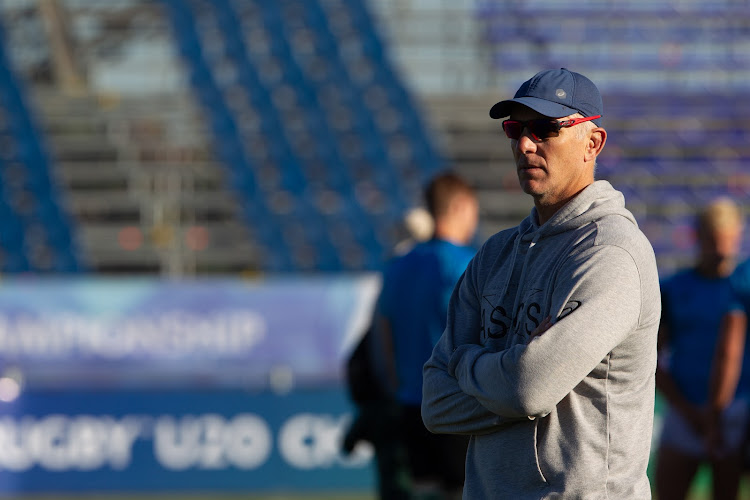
<point x="555" y="93"/>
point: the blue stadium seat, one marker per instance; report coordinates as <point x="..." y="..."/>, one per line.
<point x="29" y="198"/>
<point x="313" y="124"/>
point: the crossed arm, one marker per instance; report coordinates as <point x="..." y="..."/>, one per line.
<point x="470" y="389"/>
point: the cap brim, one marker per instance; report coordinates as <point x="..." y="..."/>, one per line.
<point x="544" y="107"/>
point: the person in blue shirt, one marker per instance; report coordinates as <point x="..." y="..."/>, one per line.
<point x="694" y="302"/>
<point x="411" y="315"/>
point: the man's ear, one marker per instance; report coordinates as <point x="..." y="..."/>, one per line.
<point x="595" y="144"/>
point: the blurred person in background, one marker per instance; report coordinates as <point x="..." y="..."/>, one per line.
<point x="693" y="303"/>
<point x="377" y="413"/>
<point x="419" y="225"/>
<point x="376" y="418"/>
<point x="410" y="317"/>
<point x="548" y="358"/>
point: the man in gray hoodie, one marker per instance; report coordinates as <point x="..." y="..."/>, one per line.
<point x="549" y="353"/>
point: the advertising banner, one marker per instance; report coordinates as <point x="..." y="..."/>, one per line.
<point x="179" y="441"/>
<point x="147" y="385"/>
<point x="207" y="333"/>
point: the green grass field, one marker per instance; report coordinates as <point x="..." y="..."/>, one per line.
<point x="699" y="492"/>
<point x="205" y="496"/>
<point x="697" y="495"/>
<point x="199" y="496"/>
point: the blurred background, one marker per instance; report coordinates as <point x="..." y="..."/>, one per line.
<point x="196" y="197"/>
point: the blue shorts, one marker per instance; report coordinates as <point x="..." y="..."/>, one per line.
<point x="677" y="434"/>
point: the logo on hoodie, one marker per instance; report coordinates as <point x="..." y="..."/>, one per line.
<point x="497" y="323"/>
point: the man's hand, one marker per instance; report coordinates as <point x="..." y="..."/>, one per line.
<point x="706" y="423"/>
<point x="543" y="327"/>
<point x="698" y="418"/>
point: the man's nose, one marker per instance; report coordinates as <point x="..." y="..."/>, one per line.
<point x="525" y="143"/>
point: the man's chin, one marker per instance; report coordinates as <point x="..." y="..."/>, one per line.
<point x="531" y="188"/>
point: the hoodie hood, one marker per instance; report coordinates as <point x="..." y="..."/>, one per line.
<point x="599" y="199"/>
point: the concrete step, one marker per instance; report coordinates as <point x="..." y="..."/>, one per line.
<point x="106" y="236"/>
<point x="505" y="203"/>
<point x="149" y="262"/>
<point x="484" y="175"/>
<point x="117" y="205"/>
<point x="72" y="149"/>
<point x="72" y="125"/>
<point x="82" y="175"/>
<point x="152" y="261"/>
<point x="106" y="175"/>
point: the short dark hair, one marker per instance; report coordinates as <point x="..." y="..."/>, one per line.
<point x="442" y="189"/>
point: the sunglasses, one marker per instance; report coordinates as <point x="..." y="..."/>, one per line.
<point x="541" y="128"/>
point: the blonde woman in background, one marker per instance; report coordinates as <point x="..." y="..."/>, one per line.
<point x="693" y="304"/>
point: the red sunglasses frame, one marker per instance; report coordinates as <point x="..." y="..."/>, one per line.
<point x="553" y="130"/>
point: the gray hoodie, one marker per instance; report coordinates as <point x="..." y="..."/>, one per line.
<point x="567" y="414"/>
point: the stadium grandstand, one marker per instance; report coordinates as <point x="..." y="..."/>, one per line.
<point x="255" y="138"/>
<point x="188" y="137"/>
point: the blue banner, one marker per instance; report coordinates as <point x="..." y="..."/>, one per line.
<point x="179" y="441"/>
<point x="203" y="385"/>
<point x="141" y="333"/>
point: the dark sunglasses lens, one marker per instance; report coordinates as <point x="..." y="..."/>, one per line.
<point x="542" y="129"/>
<point x="512" y="129"/>
<point x="539" y="129"/>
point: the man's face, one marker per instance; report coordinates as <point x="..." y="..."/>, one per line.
<point x="719" y="245"/>
<point x="470" y="216"/>
<point x="552" y="170"/>
<point x="464" y="212"/>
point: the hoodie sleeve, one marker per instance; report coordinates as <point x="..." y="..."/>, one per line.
<point x="446" y="408"/>
<point x="597" y="302"/>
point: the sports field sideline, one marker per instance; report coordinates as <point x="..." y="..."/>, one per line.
<point x="699" y="492"/>
<point x="201" y="496"/>
<point x="697" y="495"/>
